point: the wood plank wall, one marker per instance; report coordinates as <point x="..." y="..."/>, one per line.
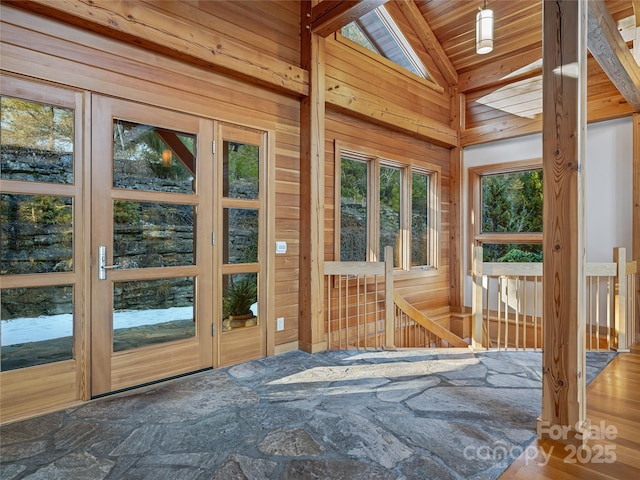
<point x="45" y="49"/>
<point x="210" y="34"/>
<point x="348" y="70"/>
<point x="368" y="102"/>
<point x="364" y="86"/>
<point x="428" y="292"/>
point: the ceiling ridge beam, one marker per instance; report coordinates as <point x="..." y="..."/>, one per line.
<point x="428" y="39"/>
<point x="609" y="49"/>
<point x="329" y="16"/>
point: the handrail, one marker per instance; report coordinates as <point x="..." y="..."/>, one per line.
<point x="424" y="321"/>
<point x="354" y="286"/>
<point x="611" y="313"/>
<point x="357" y="318"/>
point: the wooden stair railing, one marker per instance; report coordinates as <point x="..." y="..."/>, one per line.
<point x="361" y="306"/>
<point x="424" y="321"/>
<point x="357" y="313"/>
<point x="507" y="304"/>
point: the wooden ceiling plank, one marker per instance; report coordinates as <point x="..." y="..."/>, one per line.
<point x="428" y="39"/>
<point x="329" y="16"/>
<point x="524" y="64"/>
<point x="611" y="52"/>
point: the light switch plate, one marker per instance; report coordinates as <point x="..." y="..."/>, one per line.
<point x="279" y="324"/>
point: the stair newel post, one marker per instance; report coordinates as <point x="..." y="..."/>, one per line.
<point x="620" y="299"/>
<point x="389" y="317"/>
<point x="476" y="298"/>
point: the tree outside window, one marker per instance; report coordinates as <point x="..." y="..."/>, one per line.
<point x="384" y="203"/>
<point x="507" y="203"/>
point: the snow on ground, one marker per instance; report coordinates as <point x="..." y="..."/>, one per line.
<point x="23" y="330"/>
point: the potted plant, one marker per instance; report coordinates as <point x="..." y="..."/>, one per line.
<point x="238" y="299"/>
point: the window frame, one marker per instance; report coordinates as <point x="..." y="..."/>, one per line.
<point x="75" y="100"/>
<point x="476" y="237"/>
<point x="375" y="160"/>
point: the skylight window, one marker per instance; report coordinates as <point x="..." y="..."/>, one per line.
<point x="377" y="32"/>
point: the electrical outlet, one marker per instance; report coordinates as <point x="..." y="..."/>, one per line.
<point x="279" y="324"/>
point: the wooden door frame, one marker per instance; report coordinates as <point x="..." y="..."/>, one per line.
<point x="111" y="371"/>
<point x="265" y="344"/>
<point x="51" y="386"/>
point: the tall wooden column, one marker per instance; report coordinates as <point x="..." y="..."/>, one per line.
<point x="564" y="130"/>
<point x="456" y="300"/>
<point x="312" y="335"/>
<point x="635" y="246"/>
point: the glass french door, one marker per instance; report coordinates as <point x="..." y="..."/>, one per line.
<point x="42" y="362"/>
<point x="134" y="243"/>
<point x="242" y="175"/>
<point x="151" y="244"/>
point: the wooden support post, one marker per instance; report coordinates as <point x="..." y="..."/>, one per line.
<point x="312" y="336"/>
<point x="476" y="299"/>
<point x="620" y="299"/>
<point x="636" y="46"/>
<point x="389" y="317"/>
<point x="456" y="300"/>
<point x="636" y="41"/>
<point x="564" y="127"/>
<point x="635" y="245"/>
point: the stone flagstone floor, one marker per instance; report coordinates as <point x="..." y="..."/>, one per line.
<point x="403" y="415"/>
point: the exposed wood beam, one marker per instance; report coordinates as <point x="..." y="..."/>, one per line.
<point x="428" y="39"/>
<point x="524" y="64"/>
<point x="158" y="31"/>
<point x="369" y="107"/>
<point x="611" y="52"/>
<point x="509" y="128"/>
<point x="636" y="11"/>
<point x="329" y="16"/>
<point x="564" y="282"/>
<point x="312" y="337"/>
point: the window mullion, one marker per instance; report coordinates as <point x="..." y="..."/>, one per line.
<point x="435" y="220"/>
<point x="373" y="222"/>
<point x="405" y="218"/>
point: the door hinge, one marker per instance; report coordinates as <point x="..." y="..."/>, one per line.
<point x="213" y="238"/>
<point x="213" y="147"/>
<point x="213" y="329"/>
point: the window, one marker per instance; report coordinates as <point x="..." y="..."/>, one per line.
<point x="39" y="212"/>
<point x="385" y="203"/>
<point x="242" y="226"/>
<point x="377" y="32"/>
<point x="506" y="211"/>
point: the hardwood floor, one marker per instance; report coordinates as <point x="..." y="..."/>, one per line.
<point x="613" y="402"/>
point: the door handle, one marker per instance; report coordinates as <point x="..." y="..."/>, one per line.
<point x="102" y="263"/>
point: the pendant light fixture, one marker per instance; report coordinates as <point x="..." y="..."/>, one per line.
<point x="484" y="30"/>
